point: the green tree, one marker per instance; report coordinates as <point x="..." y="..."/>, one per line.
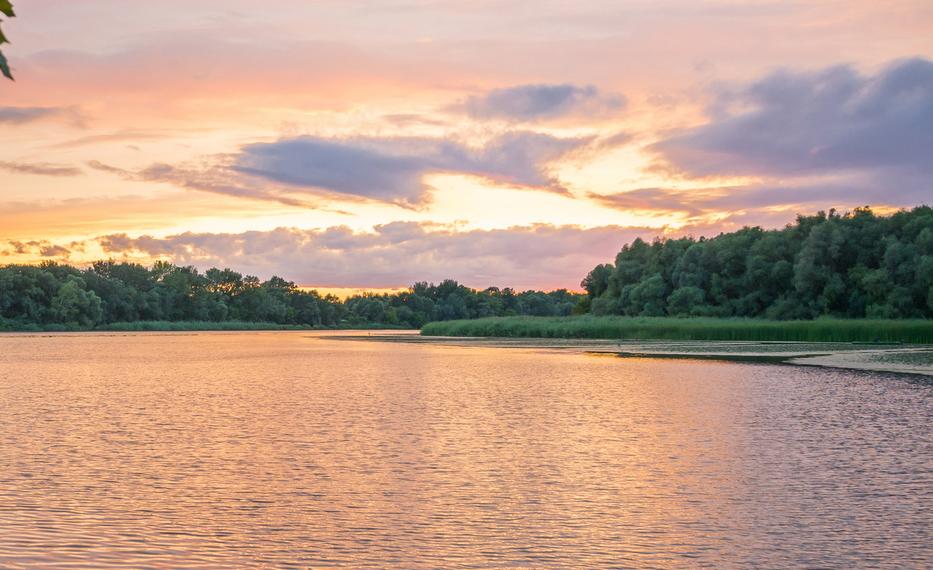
<point x="855" y="264"/>
<point x="6" y="8"/>
<point x="597" y="281"/>
<point x="686" y="301"/>
<point x="74" y="305"/>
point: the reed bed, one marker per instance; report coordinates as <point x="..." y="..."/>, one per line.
<point x="664" y="328"/>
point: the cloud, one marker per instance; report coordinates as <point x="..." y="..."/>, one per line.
<point x="756" y="200"/>
<point x="618" y="139"/>
<point x="707" y="200"/>
<point x="392" y="169"/>
<point x="386" y="169"/>
<point x="215" y="179"/>
<point x="40" y="169"/>
<point x="536" y="102"/>
<point x="395" y="254"/>
<point x="43" y="248"/>
<point x="406" y="120"/>
<point x="54" y="251"/>
<point x="119" y="136"/>
<point x="793" y="124"/>
<point x="23" y="115"/>
<point x="19" y="247"/>
<point x="19" y="115"/>
<point x="659" y="200"/>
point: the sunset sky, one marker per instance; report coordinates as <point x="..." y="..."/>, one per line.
<point x="373" y="144"/>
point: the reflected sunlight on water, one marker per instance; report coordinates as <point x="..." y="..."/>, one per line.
<point x="281" y="449"/>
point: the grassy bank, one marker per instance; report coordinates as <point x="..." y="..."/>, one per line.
<point x="169" y="326"/>
<point x="647" y="328"/>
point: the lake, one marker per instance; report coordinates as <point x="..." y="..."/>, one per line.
<point x="287" y="449"/>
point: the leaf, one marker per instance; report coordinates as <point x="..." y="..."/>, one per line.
<point x="3" y="39"/>
<point x="6" y="8"/>
<point x="5" y="67"/>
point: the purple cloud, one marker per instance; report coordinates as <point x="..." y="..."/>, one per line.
<point x="393" y="169"/>
<point x="40" y="169"/>
<point x="535" y="102"/>
<point x="832" y="121"/>
<point x="759" y="197"/>
<point x="22" y="115"/>
<point x="386" y="169"/>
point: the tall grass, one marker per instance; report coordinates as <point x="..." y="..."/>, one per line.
<point x="661" y="328"/>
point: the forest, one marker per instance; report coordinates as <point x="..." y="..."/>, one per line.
<point x="60" y="297"/>
<point x="852" y="265"/>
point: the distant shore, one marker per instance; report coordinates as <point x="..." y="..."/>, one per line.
<point x="900" y="358"/>
<point x="188" y="326"/>
<point x="917" y="331"/>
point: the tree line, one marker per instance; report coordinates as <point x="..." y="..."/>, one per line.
<point x="53" y="295"/>
<point x="852" y="265"/>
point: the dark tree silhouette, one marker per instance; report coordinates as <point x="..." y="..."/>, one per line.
<point x="6" y="8"/>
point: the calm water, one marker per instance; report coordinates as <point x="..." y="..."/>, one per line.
<point x="282" y="449"/>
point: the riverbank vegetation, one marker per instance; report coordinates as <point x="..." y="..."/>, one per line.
<point x="836" y="268"/>
<point x="852" y="265"/>
<point x="669" y="328"/>
<point x="825" y="278"/>
<point x="125" y="296"/>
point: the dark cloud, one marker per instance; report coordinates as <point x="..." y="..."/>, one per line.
<point x="24" y="115"/>
<point x="40" y="169"/>
<point x="214" y="179"/>
<point x="97" y="165"/>
<point x="19" y="115"/>
<point x="393" y="169"/>
<point x="792" y="124"/>
<point x="54" y="251"/>
<point x="44" y="248"/>
<point x="396" y="254"/>
<point x="535" y="102"/>
<point x="19" y="247"/>
<point x="211" y="178"/>
<point x="387" y="169"/>
<point x="752" y="198"/>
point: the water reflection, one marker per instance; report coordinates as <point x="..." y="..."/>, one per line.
<point x="276" y="449"/>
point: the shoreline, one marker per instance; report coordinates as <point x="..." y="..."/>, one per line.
<point x="192" y="326"/>
<point x="908" y="359"/>
<point x="895" y="358"/>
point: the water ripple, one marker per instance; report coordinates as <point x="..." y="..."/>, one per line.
<point x="280" y="450"/>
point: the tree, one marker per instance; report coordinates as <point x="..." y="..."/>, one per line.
<point x="648" y="297"/>
<point x="597" y="280"/>
<point x="74" y="305"/>
<point x="6" y="8"/>
<point x="686" y="301"/>
<point x="855" y="264"/>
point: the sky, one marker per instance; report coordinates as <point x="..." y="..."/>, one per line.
<point x="369" y="145"/>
